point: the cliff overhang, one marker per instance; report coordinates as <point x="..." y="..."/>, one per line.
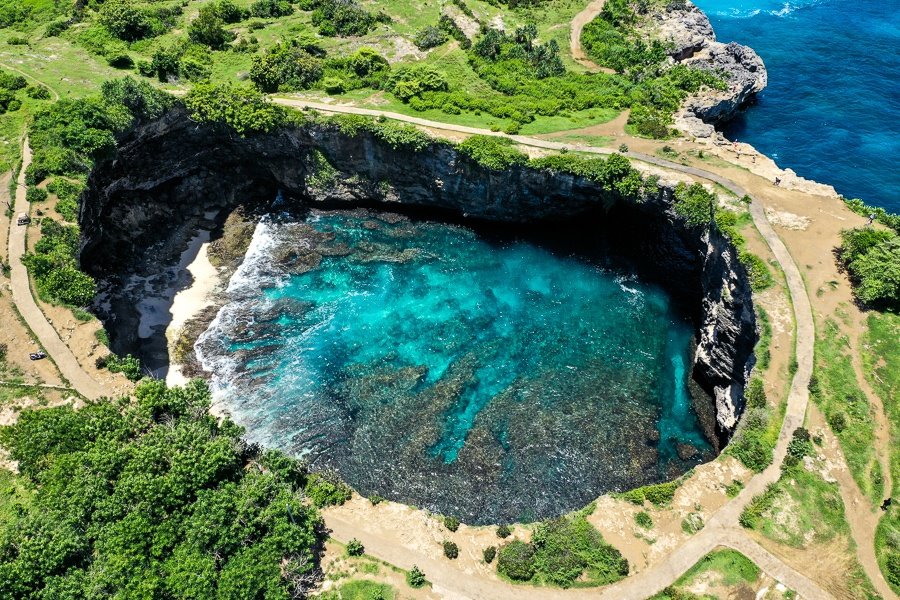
<point x="172" y="175"/>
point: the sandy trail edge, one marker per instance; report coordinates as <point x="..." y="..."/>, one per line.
<point x="65" y="360"/>
<point x="581" y="19"/>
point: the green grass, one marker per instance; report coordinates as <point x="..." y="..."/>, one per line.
<point x="729" y="566"/>
<point x="882" y="365"/>
<point x="361" y="589"/>
<point x="799" y="509"/>
<point x="763" y="352"/>
<point x="837" y="392"/>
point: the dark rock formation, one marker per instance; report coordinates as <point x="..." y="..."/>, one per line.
<point x="686" y="30"/>
<point x="142" y="206"/>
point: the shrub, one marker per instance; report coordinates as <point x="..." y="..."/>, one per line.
<point x="55" y="28"/>
<point x="129" y="366"/>
<point x="429" y="37"/>
<point x="415" y="578"/>
<point x="503" y="532"/>
<point x="375" y="499"/>
<point x="695" y="204"/>
<point x="489" y="554"/>
<point x="286" y="66"/>
<point x="334" y="85"/>
<point x="35" y="194"/>
<point x="355" y="548"/>
<point x="343" y="18"/>
<point x="799" y="447"/>
<point x="125" y="20"/>
<point x="692" y="523"/>
<point x="451" y="550"/>
<point x="271" y="9"/>
<point x="12" y="81"/>
<point x="755" y="394"/>
<point x="642" y="519"/>
<point x="327" y="489"/>
<point x="492" y="152"/>
<point x="239" y="107"/>
<point x="838" y="421"/>
<point x="451" y="523"/>
<point x="208" y="28"/>
<point x="516" y="561"/>
<point x="230" y="12"/>
<point x="15" y="40"/>
<point x="569" y="547"/>
<point x="659" y="494"/>
<point x="4" y="349"/>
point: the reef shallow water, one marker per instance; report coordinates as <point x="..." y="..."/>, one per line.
<point x="490" y="376"/>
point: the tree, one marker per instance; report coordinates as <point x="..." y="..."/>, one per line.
<point x="240" y="107"/>
<point x="152" y="498"/>
<point x="125" y="20"/>
<point x="287" y="66"/>
<point x="516" y="561"/>
<point x="208" y="28"/>
<point x="878" y="272"/>
<point x="415" y="578"/>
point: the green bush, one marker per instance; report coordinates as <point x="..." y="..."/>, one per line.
<point x="838" y="422"/>
<point x="569" y="548"/>
<point x="286" y="66"/>
<point x="35" y="194"/>
<point x="642" y="519"/>
<point x="355" y="548"/>
<point x="343" y="18"/>
<point x="327" y="489"/>
<point x="209" y="28"/>
<point x="429" y="37"/>
<point x="451" y="523"/>
<point x="415" y="578"/>
<point x="503" y="532"/>
<point x="54" y="266"/>
<point x="12" y="81"/>
<point x="872" y="257"/>
<point x="695" y="204"/>
<point x="241" y="108"/>
<point x="755" y="394"/>
<point x="516" y="561"/>
<point x="125" y="20"/>
<point x="799" y="447"/>
<point x="659" y="494"/>
<point x="692" y="523"/>
<point x="271" y="9"/>
<point x="451" y="550"/>
<point x="37" y="92"/>
<point x="495" y="153"/>
<point x="129" y="365"/>
<point x="489" y="554"/>
<point x="119" y="477"/>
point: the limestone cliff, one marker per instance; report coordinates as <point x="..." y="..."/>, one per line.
<point x="172" y="175"/>
<point x="689" y="35"/>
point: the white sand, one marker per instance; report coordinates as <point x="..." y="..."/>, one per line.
<point x="189" y="301"/>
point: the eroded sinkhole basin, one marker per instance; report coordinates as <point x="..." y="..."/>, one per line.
<point x="489" y="376"/>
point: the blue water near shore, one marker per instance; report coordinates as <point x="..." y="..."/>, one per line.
<point x="492" y="379"/>
<point x="831" y="111"/>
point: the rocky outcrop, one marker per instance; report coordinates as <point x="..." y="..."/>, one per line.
<point x="690" y="40"/>
<point x="170" y="176"/>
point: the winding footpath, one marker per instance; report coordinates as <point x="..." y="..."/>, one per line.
<point x="581" y="19"/>
<point x="48" y="338"/>
<point x="722" y="528"/>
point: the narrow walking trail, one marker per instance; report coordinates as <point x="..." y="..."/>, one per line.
<point x="722" y="528"/>
<point x="49" y="339"/>
<point x="581" y="19"/>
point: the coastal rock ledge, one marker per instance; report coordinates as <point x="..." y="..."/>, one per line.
<point x="691" y="41"/>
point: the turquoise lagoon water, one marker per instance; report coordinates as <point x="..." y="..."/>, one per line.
<point x="492" y="379"/>
<point x="831" y="111"/>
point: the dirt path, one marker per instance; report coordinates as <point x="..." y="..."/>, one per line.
<point x="53" y="92"/>
<point x="721" y="527"/>
<point x="21" y="292"/>
<point x="581" y="19"/>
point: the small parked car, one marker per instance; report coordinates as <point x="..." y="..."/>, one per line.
<point x="23" y="219"/>
<point x="37" y="355"/>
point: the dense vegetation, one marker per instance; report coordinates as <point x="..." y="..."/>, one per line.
<point x="563" y="552"/>
<point x="754" y="440"/>
<point x="872" y="258"/>
<point x="153" y="497"/>
<point x="613" y="41"/>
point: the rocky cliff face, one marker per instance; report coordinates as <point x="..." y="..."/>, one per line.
<point x="692" y="41"/>
<point x="173" y="175"/>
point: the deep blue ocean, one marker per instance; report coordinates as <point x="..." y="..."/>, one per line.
<point x="831" y="111"/>
<point x="489" y="378"/>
